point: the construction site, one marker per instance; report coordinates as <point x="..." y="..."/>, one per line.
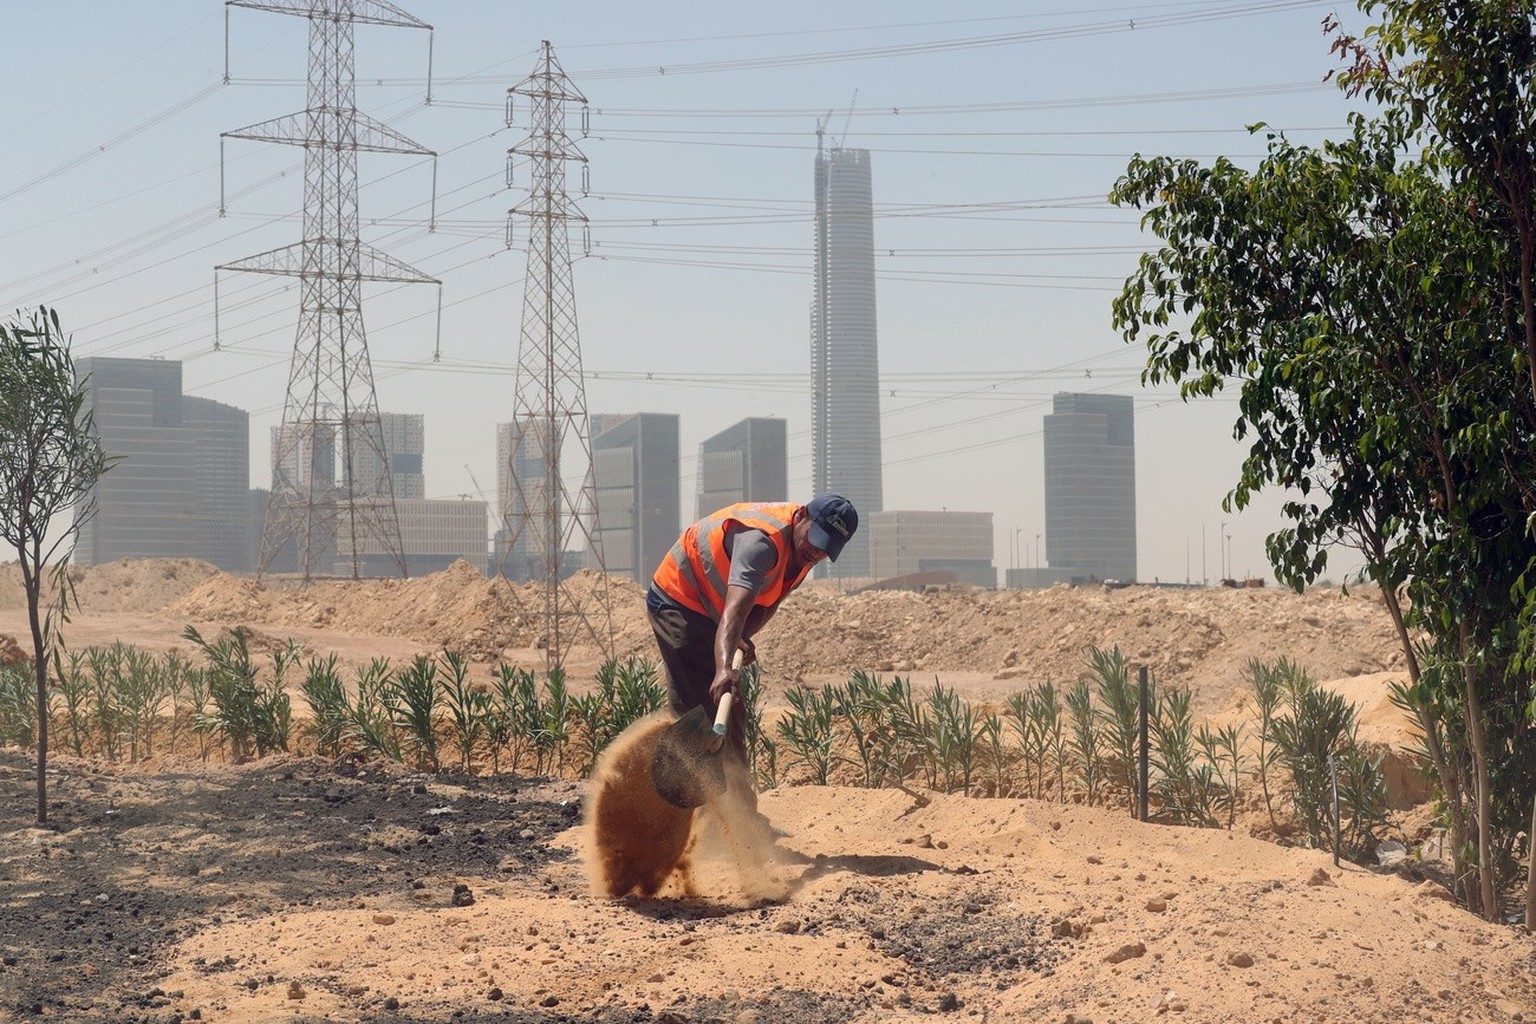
<point x="186" y="885"/>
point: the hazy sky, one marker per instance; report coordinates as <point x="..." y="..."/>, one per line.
<point x="996" y="129"/>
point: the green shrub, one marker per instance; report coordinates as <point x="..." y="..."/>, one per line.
<point x="469" y="705"/>
<point x="1020" y="716"/>
<point x="1270" y="684"/>
<point x="18" y="706"/>
<point x="250" y="716"/>
<point x="1086" y="740"/>
<point x="330" y="714"/>
<point x="74" y="691"/>
<point x="1120" y="713"/>
<point x="999" y="759"/>
<point x="1315" y="736"/>
<point x="412" y="701"/>
<point x="370" y="722"/>
<point x="953" y="737"/>
<point x="1181" y="786"/>
<point x="807" y="730"/>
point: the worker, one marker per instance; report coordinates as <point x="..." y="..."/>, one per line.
<point x="721" y="583"/>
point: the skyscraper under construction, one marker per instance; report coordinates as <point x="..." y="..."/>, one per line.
<point x="845" y="369"/>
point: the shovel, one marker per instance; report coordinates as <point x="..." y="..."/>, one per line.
<point x="687" y="769"/>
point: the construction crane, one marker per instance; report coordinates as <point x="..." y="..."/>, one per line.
<point x="478" y="489"/>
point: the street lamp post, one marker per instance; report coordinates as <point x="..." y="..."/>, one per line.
<point x="1221" y="550"/>
<point x="1037" y="551"/>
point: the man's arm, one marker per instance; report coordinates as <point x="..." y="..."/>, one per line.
<point x="757" y="618"/>
<point x="729" y="635"/>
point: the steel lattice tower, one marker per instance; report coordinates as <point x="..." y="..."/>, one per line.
<point x="328" y="496"/>
<point x="550" y="404"/>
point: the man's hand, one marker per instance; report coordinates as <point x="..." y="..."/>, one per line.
<point x="727" y="680"/>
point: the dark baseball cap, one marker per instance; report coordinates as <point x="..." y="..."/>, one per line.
<point x="833" y="521"/>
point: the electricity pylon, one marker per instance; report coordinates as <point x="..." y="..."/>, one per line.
<point x="549" y="415"/>
<point x="331" y="488"/>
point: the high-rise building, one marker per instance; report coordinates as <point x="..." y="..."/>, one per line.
<point x="311" y="455"/>
<point x="221" y="464"/>
<point x="845" y="370"/>
<point x="638" y="486"/>
<point x="748" y="461"/>
<point x="404" y="445"/>
<point x="179" y="487"/>
<point x="902" y="543"/>
<point x="1090" y="487"/>
<point x="521" y="489"/>
<point x="434" y="533"/>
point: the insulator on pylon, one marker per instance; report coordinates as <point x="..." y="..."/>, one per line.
<point x="586" y="180"/>
<point x="510" y="155"/>
<point x="586" y="120"/>
<point x="511" y="219"/>
<point x="510" y="94"/>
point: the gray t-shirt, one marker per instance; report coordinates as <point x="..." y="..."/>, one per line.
<point x="753" y="557"/>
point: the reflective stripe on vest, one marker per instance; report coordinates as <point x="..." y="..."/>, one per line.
<point x="696" y="572"/>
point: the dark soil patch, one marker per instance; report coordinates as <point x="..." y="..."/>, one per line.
<point x="85" y="913"/>
<point x="970" y="936"/>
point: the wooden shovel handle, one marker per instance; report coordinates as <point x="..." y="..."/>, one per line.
<point x="723" y="713"/>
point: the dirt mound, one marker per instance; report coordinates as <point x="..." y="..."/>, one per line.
<point x="11" y="652"/>
<point x="1187" y="637"/>
<point x="127" y="585"/>
<point x="458" y="607"/>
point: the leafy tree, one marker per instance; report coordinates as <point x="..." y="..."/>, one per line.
<point x="50" y="459"/>
<point x="1461" y="71"/>
<point x="1365" y="303"/>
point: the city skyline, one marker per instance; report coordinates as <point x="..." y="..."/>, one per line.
<point x="994" y="139"/>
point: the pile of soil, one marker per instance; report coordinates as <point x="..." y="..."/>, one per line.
<point x="1198" y="638"/>
<point x="458" y="608"/>
<point x="11" y="652"/>
<point x="127" y="585"/>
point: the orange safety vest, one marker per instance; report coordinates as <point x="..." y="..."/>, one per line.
<point x="696" y="571"/>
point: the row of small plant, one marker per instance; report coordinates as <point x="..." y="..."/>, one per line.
<point x="1082" y="743"/>
<point x="1074" y="743"/>
<point x="118" y="702"/>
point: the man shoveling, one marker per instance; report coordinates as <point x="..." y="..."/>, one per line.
<point x="720" y="584"/>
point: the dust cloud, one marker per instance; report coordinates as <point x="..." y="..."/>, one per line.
<point x="635" y="840"/>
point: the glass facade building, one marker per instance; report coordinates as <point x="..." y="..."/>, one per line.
<point x="1090" y="487"/>
<point x="180" y="486"/>
<point x="902" y="543"/>
<point x="845" y="369"/>
<point x="748" y="461"/>
<point x="639" y="487"/>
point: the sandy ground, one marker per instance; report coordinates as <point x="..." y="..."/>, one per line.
<point x="301" y="890"/>
<point x="296" y="889"/>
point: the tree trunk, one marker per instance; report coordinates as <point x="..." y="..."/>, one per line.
<point x="1530" y="874"/>
<point x="33" y="584"/>
<point x="1448" y="772"/>
<point x="1479" y="743"/>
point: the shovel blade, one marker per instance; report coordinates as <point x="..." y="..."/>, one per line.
<point x="687" y="770"/>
